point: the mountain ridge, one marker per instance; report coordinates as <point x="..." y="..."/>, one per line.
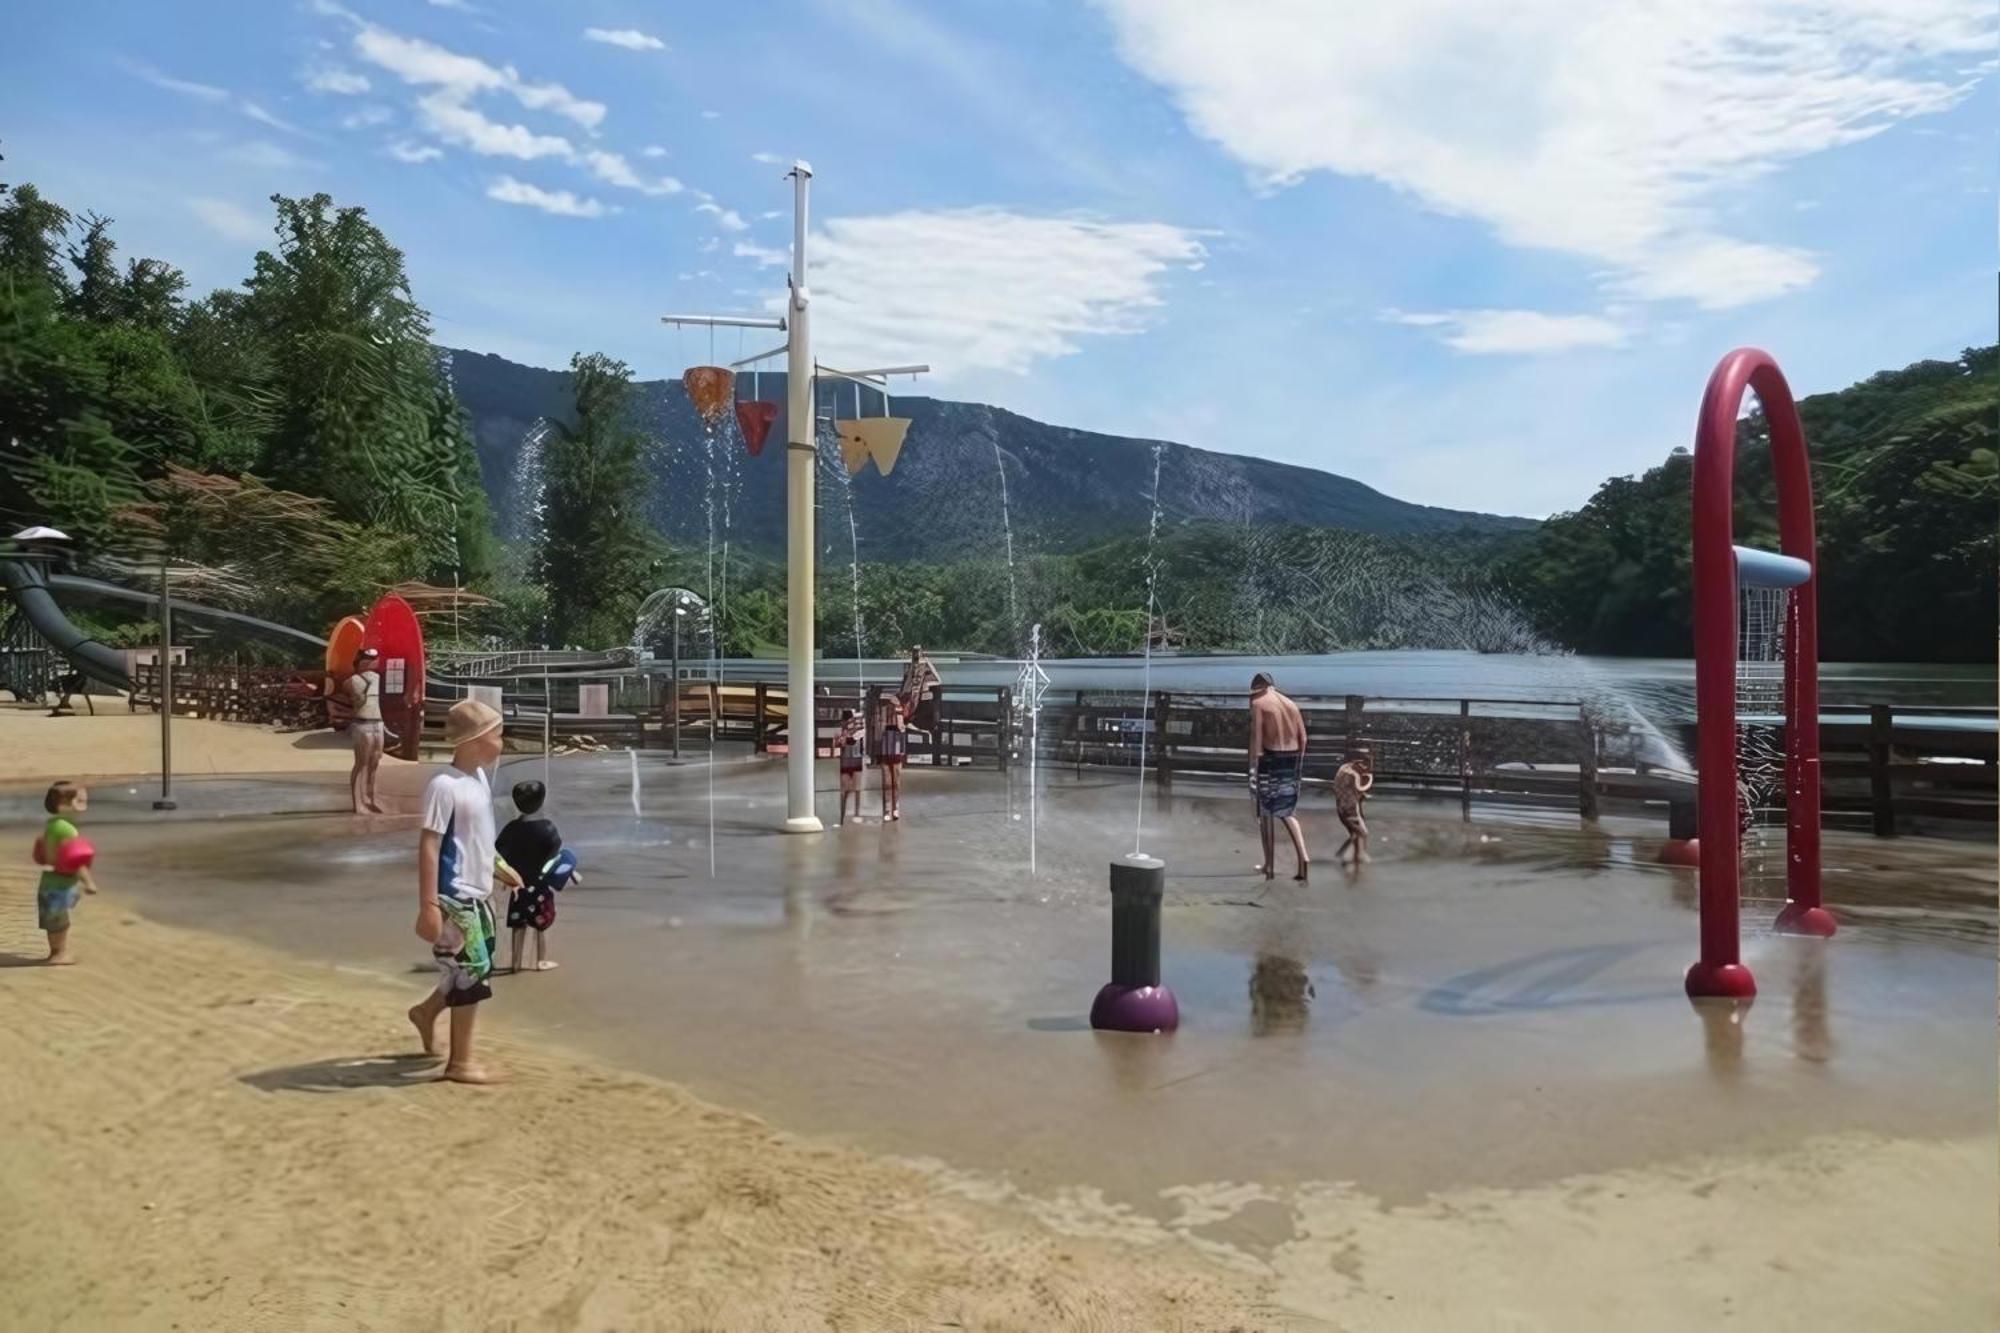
<point x="1063" y="487"/>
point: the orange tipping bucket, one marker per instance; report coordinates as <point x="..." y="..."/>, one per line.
<point x="709" y="388"/>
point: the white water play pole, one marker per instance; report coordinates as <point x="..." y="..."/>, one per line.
<point x="801" y="453"/>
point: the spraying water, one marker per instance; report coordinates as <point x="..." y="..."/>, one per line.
<point x="633" y="755"/>
<point x="1146" y="679"/>
<point x="1029" y="687"/>
<point x="1007" y="527"/>
<point x="853" y="568"/>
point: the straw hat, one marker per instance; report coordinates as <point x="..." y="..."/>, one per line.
<point x="468" y="720"/>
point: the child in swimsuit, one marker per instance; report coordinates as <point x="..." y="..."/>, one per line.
<point x="848" y="747"/>
<point x="890" y="752"/>
<point x="535" y="849"/>
<point x="67" y="857"/>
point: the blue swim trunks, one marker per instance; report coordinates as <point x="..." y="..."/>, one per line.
<point x="1278" y="782"/>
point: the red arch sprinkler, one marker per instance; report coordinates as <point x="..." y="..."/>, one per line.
<point x="1721" y="569"/>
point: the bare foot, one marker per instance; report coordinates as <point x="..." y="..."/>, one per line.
<point x="375" y="809"/>
<point x="1268" y="872"/>
<point x="547" y="965"/>
<point x="426" y="1032"/>
<point x="58" y="960"/>
<point x="467" y="1074"/>
<point x="1304" y="866"/>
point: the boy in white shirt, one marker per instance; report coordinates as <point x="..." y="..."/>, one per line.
<point x="456" y="864"/>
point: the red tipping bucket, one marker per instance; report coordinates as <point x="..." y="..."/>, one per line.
<point x="754" y="419"/>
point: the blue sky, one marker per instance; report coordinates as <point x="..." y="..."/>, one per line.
<point x="1472" y="259"/>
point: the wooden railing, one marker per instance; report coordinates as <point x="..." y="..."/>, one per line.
<point x="1880" y="770"/>
<point x="276" y="696"/>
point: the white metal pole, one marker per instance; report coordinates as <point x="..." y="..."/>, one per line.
<point x="801" y="454"/>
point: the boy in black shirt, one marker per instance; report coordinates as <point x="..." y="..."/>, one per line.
<point x="532" y="846"/>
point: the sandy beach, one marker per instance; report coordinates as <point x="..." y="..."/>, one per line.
<point x="204" y="1135"/>
<point x="116" y="742"/>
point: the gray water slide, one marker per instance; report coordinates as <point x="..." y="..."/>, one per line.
<point x="35" y="591"/>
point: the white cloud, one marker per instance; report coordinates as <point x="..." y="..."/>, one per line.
<point x="711" y="115"/>
<point x="765" y="256"/>
<point x="560" y="202"/>
<point x="614" y="169"/>
<point x="652" y="150"/>
<point x="768" y="159"/>
<point x="462" y="77"/>
<point x="229" y="221"/>
<point x="726" y="218"/>
<point x="340" y="82"/>
<point x="263" y="117"/>
<point x="981" y="288"/>
<point x="1612" y="132"/>
<point x="629" y="38"/>
<point x="415" y="152"/>
<point x="204" y="92"/>
<point x="455" y="122"/>
<point x="366" y="117"/>
<point x="1531" y="332"/>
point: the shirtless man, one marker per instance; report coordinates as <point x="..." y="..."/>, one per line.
<point x="1277" y="757"/>
<point x="365" y="729"/>
<point x="1351" y="786"/>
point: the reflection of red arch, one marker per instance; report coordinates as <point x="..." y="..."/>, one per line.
<point x="1720" y="970"/>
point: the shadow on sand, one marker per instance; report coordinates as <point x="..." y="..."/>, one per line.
<point x="401" y="1070"/>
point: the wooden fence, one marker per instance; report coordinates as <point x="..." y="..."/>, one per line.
<point x="1881" y="771"/>
<point x="276" y="696"/>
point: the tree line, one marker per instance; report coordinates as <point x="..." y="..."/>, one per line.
<point x="298" y="436"/>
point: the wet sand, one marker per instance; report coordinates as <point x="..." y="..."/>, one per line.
<point x="1473" y="1058"/>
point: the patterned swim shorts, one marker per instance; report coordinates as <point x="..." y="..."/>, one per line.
<point x="464" y="951"/>
<point x="53" y="904"/>
<point x="1278" y="783"/>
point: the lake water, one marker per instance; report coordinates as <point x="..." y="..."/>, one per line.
<point x="1660" y="688"/>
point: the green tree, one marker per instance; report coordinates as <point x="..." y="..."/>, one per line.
<point x="595" y="557"/>
<point x="357" y="380"/>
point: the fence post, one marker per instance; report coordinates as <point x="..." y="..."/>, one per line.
<point x="714" y="715"/>
<point x="1465" y="758"/>
<point x="1586" y="767"/>
<point x="1355" y="705"/>
<point x="1882" y="793"/>
<point x="757" y="741"/>
<point x="1163" y="707"/>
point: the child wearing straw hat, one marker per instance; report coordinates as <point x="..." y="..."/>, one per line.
<point x="456" y="866"/>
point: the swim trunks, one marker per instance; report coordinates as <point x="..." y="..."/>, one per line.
<point x="464" y="950"/>
<point x="53" y="904"/>
<point x="536" y="905"/>
<point x="1278" y="783"/>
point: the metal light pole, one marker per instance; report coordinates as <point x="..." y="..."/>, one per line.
<point x="166" y="682"/>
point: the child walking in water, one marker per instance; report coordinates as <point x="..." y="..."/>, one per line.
<point x="1351" y="786"/>
<point x="67" y="856"/>
<point x="456" y="866"/>
<point x="533" y="847"/>
<point x="890" y="751"/>
<point x="848" y="746"/>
